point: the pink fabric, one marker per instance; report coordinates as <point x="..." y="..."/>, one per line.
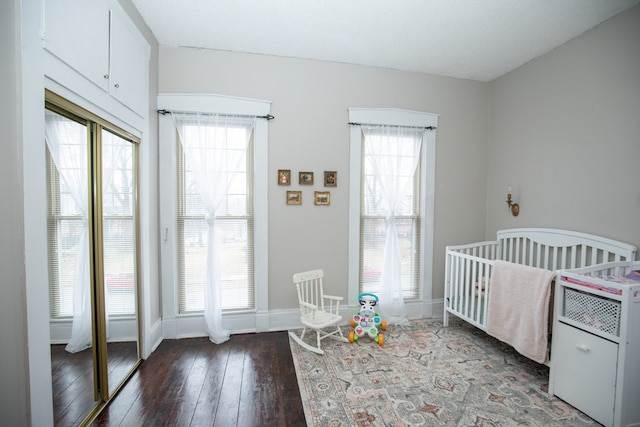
<point x="518" y="308"/>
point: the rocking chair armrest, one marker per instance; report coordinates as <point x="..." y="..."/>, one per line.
<point x="333" y="303"/>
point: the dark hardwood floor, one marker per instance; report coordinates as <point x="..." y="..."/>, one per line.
<point x="247" y="381"/>
<point x="72" y="377"/>
<point x="72" y="382"/>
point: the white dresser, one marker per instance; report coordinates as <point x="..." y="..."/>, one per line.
<point x="595" y="349"/>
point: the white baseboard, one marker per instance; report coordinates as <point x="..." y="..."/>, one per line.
<point x="121" y="329"/>
<point x="237" y="323"/>
<point x="276" y="320"/>
<point x="156" y="337"/>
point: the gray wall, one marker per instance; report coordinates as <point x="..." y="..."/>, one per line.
<point x="565" y="133"/>
<point x="310" y="133"/>
<point x="13" y="328"/>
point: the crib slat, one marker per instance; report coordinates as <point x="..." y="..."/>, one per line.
<point x="472" y="293"/>
<point x="465" y="294"/>
<point x="485" y="299"/>
<point x="456" y="281"/>
<point x="594" y="257"/>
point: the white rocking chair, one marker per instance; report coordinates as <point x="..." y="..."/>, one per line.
<point x="318" y="311"/>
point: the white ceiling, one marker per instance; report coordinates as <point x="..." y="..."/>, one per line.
<point x="470" y="39"/>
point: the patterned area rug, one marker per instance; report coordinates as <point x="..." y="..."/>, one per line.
<point x="427" y="375"/>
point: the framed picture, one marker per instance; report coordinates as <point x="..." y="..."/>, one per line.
<point x="330" y="178"/>
<point x="322" y="198"/>
<point x="305" y="178"/>
<point x="284" y="177"/>
<point x="294" y="197"/>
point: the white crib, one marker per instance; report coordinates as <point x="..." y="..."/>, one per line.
<point x="468" y="268"/>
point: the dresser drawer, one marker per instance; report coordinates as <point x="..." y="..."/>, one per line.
<point x="585" y="371"/>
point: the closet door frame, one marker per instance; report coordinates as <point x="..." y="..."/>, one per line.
<point x="103" y="391"/>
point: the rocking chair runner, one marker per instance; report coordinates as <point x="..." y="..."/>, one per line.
<point x="318" y="311"/>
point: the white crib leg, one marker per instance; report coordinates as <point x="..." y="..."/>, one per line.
<point x="445" y="318"/>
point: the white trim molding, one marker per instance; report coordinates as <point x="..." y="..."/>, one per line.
<point x="175" y="325"/>
<point x="392" y="116"/>
<point x="212" y="103"/>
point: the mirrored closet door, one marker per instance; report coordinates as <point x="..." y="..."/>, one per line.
<point x="93" y="257"/>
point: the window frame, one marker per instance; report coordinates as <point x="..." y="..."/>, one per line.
<point x="393" y="117"/>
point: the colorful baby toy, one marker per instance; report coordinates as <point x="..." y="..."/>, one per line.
<point x="367" y="321"/>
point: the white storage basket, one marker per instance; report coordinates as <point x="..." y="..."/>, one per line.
<point x="592" y="310"/>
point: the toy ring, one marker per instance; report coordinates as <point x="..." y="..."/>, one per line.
<point x="367" y="295"/>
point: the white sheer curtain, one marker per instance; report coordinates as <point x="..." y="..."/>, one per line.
<point x="394" y="153"/>
<point x="214" y="147"/>
<point x="67" y="143"/>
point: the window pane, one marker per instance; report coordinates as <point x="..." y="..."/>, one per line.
<point x="63" y="255"/>
<point x="193" y="264"/>
<point x="373" y="202"/>
<point x="234" y="227"/>
<point x="373" y="236"/>
<point x="236" y="263"/>
<point x="401" y="154"/>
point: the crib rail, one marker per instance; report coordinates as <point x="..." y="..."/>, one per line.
<point x="467" y="280"/>
<point x="560" y="249"/>
<point x="602" y="271"/>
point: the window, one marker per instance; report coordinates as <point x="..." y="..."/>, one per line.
<point x="234" y="222"/>
<point x="395" y="154"/>
<point x="240" y="213"/>
<point x="392" y="168"/>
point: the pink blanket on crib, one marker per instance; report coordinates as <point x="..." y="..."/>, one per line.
<point x="518" y="308"/>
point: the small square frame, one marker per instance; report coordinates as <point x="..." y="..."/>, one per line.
<point x="330" y="178"/>
<point x="322" y="198"/>
<point x="294" y="197"/>
<point x="305" y="178"/>
<point x="284" y="176"/>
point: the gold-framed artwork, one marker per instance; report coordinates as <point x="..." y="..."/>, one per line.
<point x="330" y="178"/>
<point x="305" y="178"/>
<point x="294" y="197"/>
<point x="322" y="198"/>
<point x="284" y="176"/>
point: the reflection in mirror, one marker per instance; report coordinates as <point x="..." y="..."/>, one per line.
<point x="69" y="269"/>
<point x="119" y="247"/>
<point x="85" y="255"/>
<point x="72" y="376"/>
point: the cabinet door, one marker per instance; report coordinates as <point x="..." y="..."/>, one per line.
<point x="75" y="30"/>
<point x="129" y="68"/>
<point x="585" y="371"/>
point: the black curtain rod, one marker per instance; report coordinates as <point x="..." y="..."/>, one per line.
<point x="395" y="126"/>
<point x="268" y="116"/>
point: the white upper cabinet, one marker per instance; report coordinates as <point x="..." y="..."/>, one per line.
<point x="129" y="65"/>
<point x="77" y="33"/>
<point x="99" y="41"/>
